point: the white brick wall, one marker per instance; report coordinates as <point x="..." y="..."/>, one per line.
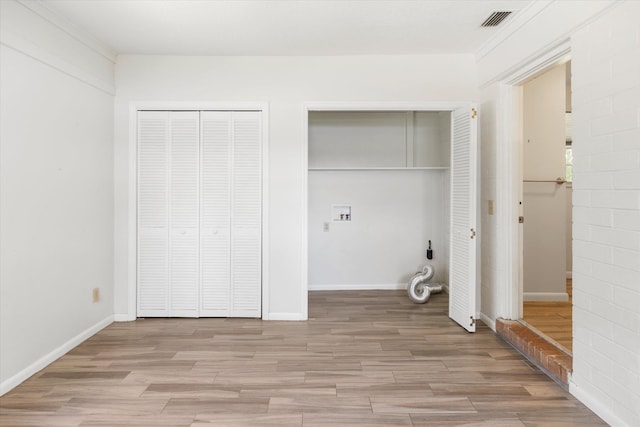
<point x="606" y="118"/>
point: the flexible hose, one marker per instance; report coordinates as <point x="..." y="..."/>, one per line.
<point x="419" y="290"/>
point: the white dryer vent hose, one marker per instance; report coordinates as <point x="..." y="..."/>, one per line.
<point x="419" y="290"/>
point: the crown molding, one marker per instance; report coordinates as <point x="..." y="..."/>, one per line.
<point x="33" y="51"/>
<point x="77" y="33"/>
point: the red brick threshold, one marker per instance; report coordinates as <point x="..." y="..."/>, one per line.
<point x="551" y="359"/>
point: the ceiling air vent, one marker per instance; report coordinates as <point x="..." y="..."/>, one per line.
<point x="495" y="19"/>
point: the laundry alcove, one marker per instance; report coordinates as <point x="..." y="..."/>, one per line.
<point x="397" y="180"/>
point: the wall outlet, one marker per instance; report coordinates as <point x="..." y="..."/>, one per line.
<point x="96" y="294"/>
<point x="325" y="227"/>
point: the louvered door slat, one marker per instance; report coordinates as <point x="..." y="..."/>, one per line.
<point x="152" y="273"/>
<point x="215" y="274"/>
<point x="184" y="169"/>
<point x="152" y="169"/>
<point x="152" y="218"/>
<point x="246" y="215"/>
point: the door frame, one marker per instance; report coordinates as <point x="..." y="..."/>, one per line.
<point x="134" y="107"/>
<point x="509" y="174"/>
<point x="309" y="107"/>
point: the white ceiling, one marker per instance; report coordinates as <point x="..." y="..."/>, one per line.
<point x="285" y="27"/>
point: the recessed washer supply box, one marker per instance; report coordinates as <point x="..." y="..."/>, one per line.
<point x="341" y="213"/>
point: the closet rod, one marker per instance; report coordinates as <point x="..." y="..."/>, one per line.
<point x="557" y="180"/>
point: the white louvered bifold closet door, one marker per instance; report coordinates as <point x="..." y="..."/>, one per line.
<point x="153" y="213"/>
<point x="168" y="213"/>
<point x="462" y="258"/>
<point x="215" y="228"/>
<point x="231" y="214"/>
<point x="184" y="213"/>
<point x="199" y="214"/>
<point x="246" y="218"/>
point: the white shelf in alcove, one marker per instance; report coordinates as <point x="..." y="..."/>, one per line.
<point x="425" y="168"/>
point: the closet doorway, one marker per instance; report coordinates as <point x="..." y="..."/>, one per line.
<point x="384" y="181"/>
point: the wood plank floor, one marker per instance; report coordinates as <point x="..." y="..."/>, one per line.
<point x="553" y="319"/>
<point x="364" y="358"/>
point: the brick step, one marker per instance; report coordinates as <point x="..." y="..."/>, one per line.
<point x="551" y="359"/>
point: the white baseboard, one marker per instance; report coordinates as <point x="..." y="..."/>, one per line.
<point x="488" y="321"/>
<point x="51" y="357"/>
<point x="357" y="287"/>
<point x="596" y="406"/>
<point x="124" y="317"/>
<point x="285" y="316"/>
<point x="545" y="296"/>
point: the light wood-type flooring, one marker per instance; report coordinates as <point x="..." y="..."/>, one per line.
<point x="553" y="319"/>
<point x="368" y="358"/>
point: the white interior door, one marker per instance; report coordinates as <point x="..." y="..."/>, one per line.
<point x="215" y="228"/>
<point x="183" y="213"/>
<point x="153" y="217"/>
<point x="231" y="197"/>
<point x="462" y="259"/>
<point x="168" y="213"/>
<point x="246" y="219"/>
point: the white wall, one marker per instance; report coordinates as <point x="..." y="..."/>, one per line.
<point x="286" y="83"/>
<point x="491" y="269"/>
<point x="56" y="192"/>
<point x="394" y="214"/>
<point x="544" y="203"/>
<point x="358" y="139"/>
<point x="605" y="73"/>
<point x="543" y="99"/>
<point x="606" y="198"/>
<point x="431" y="138"/>
<point x="542" y="25"/>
